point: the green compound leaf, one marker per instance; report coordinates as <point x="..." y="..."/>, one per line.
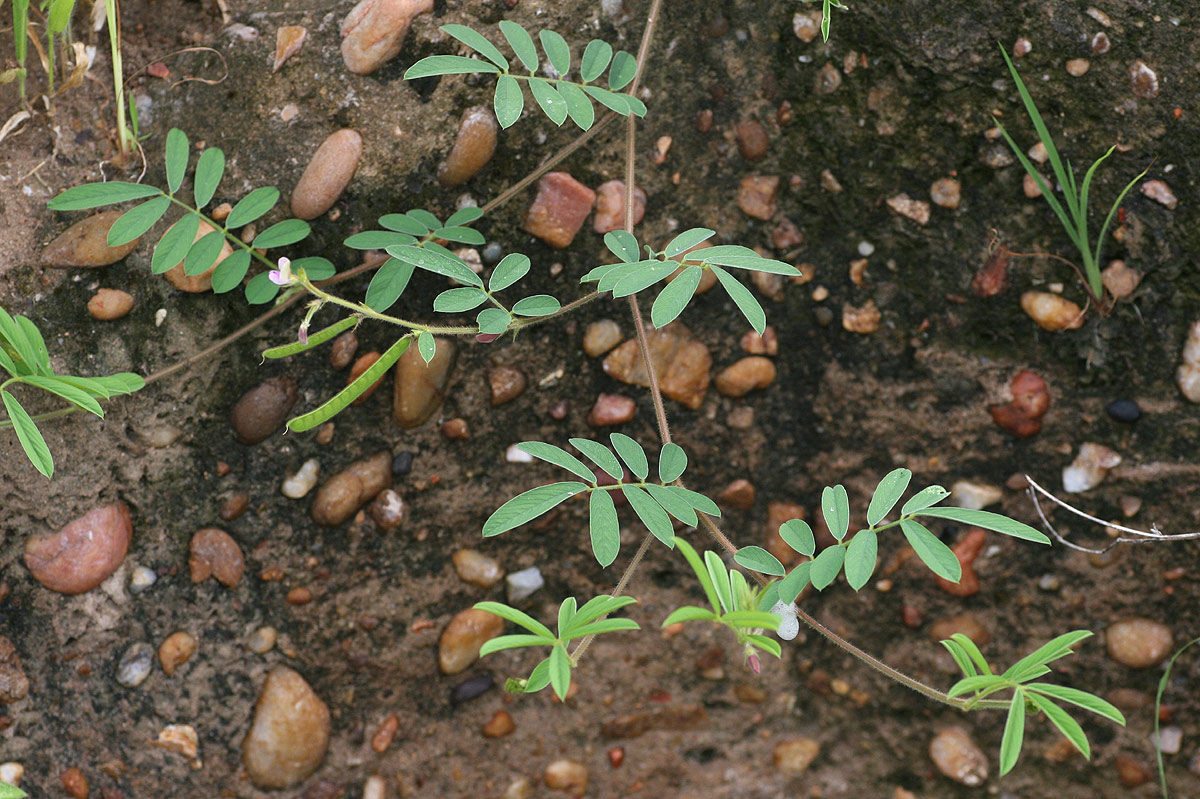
<point x="528" y="506"/>
<point x="596" y="57"/>
<point x="579" y="107"/>
<point x="796" y="581"/>
<point x="687" y="240"/>
<point x="203" y="254"/>
<point x="493" y="321"/>
<point x="521" y="43"/>
<point x="439" y="263"/>
<point x="339" y="401"/>
<point x="887" y="494"/>
<point x="388" y="284"/>
<point x="549" y="99"/>
<point x="1014" y="734"/>
<point x="860" y="558"/>
<point x="743" y="299"/>
<point x="509" y="102"/>
<point x="622" y="244"/>
<point x="252" y="206"/>
<point x="675" y="296"/>
<point x="1058" y="647"/>
<point x="314" y="339"/>
<point x="447" y="65"/>
<point x="426" y="346"/>
<point x="624" y="67"/>
<point x="988" y="521"/>
<point x="539" y="678"/>
<point x="467" y="298"/>
<point x="825" y="567"/>
<point x="28" y="435"/>
<point x="604" y="527"/>
<point x="176" y="158"/>
<point x="537" y="305"/>
<point x="759" y="560"/>
<point x="230" y="272"/>
<point x="173" y="247"/>
<point x="560" y="672"/>
<point x="632" y="453"/>
<point x="289" y="231"/>
<point x="94" y="195"/>
<point x="835" y="507"/>
<point x="940" y="559"/>
<point x="517" y="617"/>
<point x="672" y="462"/>
<point x="210" y="168"/>
<point x="600" y="455"/>
<point x="137" y="220"/>
<point x="511" y="268"/>
<point x="478" y="43"/>
<point x="925" y="498"/>
<point x="559" y="457"/>
<point x="650" y="512"/>
<point x="557" y="51"/>
<point x="799" y="536"/>
<point x="647" y="274"/>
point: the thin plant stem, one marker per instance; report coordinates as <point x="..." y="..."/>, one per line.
<point x="626" y="576"/>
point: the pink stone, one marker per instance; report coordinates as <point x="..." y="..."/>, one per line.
<point x="83" y="554"/>
<point x="559" y="210"/>
<point x="756" y="195"/>
<point x="610" y="206"/>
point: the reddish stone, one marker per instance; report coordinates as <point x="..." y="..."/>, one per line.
<point x="559" y="209"/>
<point x="967" y="550"/>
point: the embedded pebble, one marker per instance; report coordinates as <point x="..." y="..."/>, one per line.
<point x="109" y="304"/>
<point x="569" y="776"/>
<point x="456" y="429"/>
<point x="750" y="373"/>
<point x="383" y="736"/>
<point x="12" y="773"/>
<point x="514" y="454"/>
<point x="958" y="757"/>
<point x="793" y="757"/>
<point x="420" y="387"/>
<point x="768" y="285"/>
<point x="756" y="195"/>
<point x="965" y="623"/>
<point x="916" y="210"/>
<point x="1143" y="79"/>
<point x="235" y="506"/>
<point x="402" y="463"/>
<point x="997" y="156"/>
<point x="1089" y="468"/>
<point x="1187" y="376"/>
<point x="610" y="206"/>
<point x="1130" y="773"/>
<point x="473" y="147"/>
<point x="214" y="553"/>
<point x="74" y="782"/>
<point x="1030" y="187"/>
<point x="328" y="173"/>
<point x="966" y="550"/>
<point x="829" y="79"/>
<point x="1100" y="43"/>
<point x="946" y="192"/>
<point x="83" y="554"/>
<point x="388" y="510"/>
<point x="180" y="739"/>
<point x="176" y="650"/>
<point x="1160" y="192"/>
<point x="611" y="409"/>
<point x="681" y="362"/>
<point x="806" y="25"/>
<point x="197" y="284"/>
<point x="472" y="688"/>
<point x="85" y="243"/>
<point x="288" y="41"/>
<point x="14" y="685"/>
<point x="829" y="182"/>
<point x="1120" y="280"/>
<point x="298" y="484"/>
<point x="262" y="640"/>
<point x="135" y="665"/>
<point x="1123" y="410"/>
<point x="290" y="733"/>
<point x="341" y="353"/>
<point x="864" y="319"/>
<point x="299" y="596"/>
<point x="521" y="584"/>
<point x="752" y="140"/>
<point x="263" y="409"/>
<point x="766" y="344"/>
<point x="506" y="382"/>
<point x="786" y="235"/>
<point x="373" y="32"/>
<point x="738" y="494"/>
<point x="375" y="787"/>
<point x="671" y="717"/>
<point x="476" y="568"/>
<point x="1139" y="643"/>
<point x="777" y="514"/>
<point x="1078" y="67"/>
<point x="974" y="496"/>
<point x="499" y="725"/>
<point x="459" y="644"/>
<point x="1031" y="399"/>
<point x="559" y="209"/>
<point x="993" y="277"/>
<point x="600" y="337"/>
<point x="141" y="579"/>
<point x="1169" y="740"/>
<point x="1051" y="311"/>
<point x="350" y="489"/>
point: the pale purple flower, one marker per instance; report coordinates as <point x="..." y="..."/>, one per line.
<point x="283" y="275"/>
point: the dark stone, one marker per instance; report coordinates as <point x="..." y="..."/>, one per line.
<point x="1124" y="410"/>
<point x="492" y="252"/>
<point x="472" y="688"/>
<point x="402" y="463"/>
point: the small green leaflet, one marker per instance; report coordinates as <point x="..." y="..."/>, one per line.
<point x="511" y="268"/>
<point x="624" y="67"/>
<point x="596" y="57"/>
<point x="136" y="221"/>
<point x="825" y="567"/>
<point x="94" y="195"/>
<point x="537" y="305"/>
<point x="548" y="98"/>
<point x="887" y="494"/>
<point x="604" y="528"/>
<point x="210" y="168"/>
<point x="405" y="223"/>
<point x="176" y="158"/>
<point x="743" y="299"/>
<point x="388" y="284"/>
<point x="673" y="502"/>
<point x="557" y="51"/>
<point x="252" y="206"/>
<point x="988" y="521"/>
<point x="203" y="254"/>
<point x="923" y="499"/>
<point x="632" y="453"/>
<point x="439" y="263"/>
<point x="477" y="42"/>
<point x="796" y="581"/>
<point x="835" y="507"/>
<point x="289" y="231"/>
<point x="11" y="792"/>
<point x="687" y="240"/>
<point x="28" y="435"/>
<point x="1014" y="733"/>
<point x="493" y="321"/>
<point x="464" y="216"/>
<point x="447" y="65"/>
<point x="529" y="505"/>
<point x="509" y="102"/>
<point x="940" y="559"/>
<point x="579" y="107"/>
<point x="672" y="461"/>
<point x="651" y="513"/>
<point x="799" y="536"/>
<point x="229" y="273"/>
<point x="466" y="298"/>
<point x="600" y="455"/>
<point x="559" y="457"/>
<point x="173" y="247"/>
<point x="622" y="244"/>
<point x="759" y="560"/>
<point x="521" y="43"/>
<point x="860" y="558"/>
<point x="426" y="346"/>
<point x="675" y="296"/>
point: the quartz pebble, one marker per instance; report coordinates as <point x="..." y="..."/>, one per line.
<point x="611" y="409"/>
<point x="214" y="553"/>
<point x="752" y="140"/>
<point x="85" y="243"/>
<point x="364" y="362"/>
<point x="350" y="489"/>
<point x="806" y="25"/>
<point x="473" y="147"/>
<point x="82" y="554"/>
<point x="1120" y="280"/>
<point x="263" y="409"/>
<point x="1161" y="193"/>
<point x="946" y="192"/>
<point x="1143" y="80"/>
<point x="141" y="579"/>
<point x="459" y="644"/>
<point x="600" y="337"/>
<point x="916" y="210"/>
<point x="569" y="776"/>
<point x="974" y="496"/>
<point x="109" y="304"/>
<point x="1139" y="643"/>
<point x="750" y="373"/>
<point x="374" y="787"/>
<point x="1031" y="399"/>
<point x="14" y="685"/>
<point x="330" y="170"/>
<point x="388" y="510"/>
<point x="373" y="32"/>
<point x="682" y="364"/>
<point x="288" y="41"/>
<point x="262" y="640"/>
<point x="559" y="209"/>
<point x="506" y="382"/>
<point x="303" y="480"/>
<point x="792" y="758"/>
<point x="958" y="757"/>
<point x="341" y="352"/>
<point x="521" y="584"/>
<point x="476" y="568"/>
<point x="180" y="739"/>
<point x="1051" y="311"/>
<point x="178" y="277"/>
<point x="290" y="732"/>
<point x="499" y="725"/>
<point x="1078" y="67"/>
<point x="176" y="650"/>
<point x="1089" y="468"/>
<point x="1100" y="43"/>
<point x="863" y="319"/>
<point x="419" y="387"/>
<point x="1169" y="740"/>
<point x="756" y="195"/>
<point x="12" y="773"/>
<point x="135" y="665"/>
<point x="610" y="206"/>
<point x="514" y="454"/>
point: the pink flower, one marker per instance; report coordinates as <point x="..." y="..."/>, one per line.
<point x="283" y="275"/>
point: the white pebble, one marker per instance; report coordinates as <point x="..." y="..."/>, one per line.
<point x="11" y="772"/>
<point x="1089" y="468"/>
<point x="299" y="484"/>
<point x="135" y="665"/>
<point x="523" y="583"/>
<point x="515" y="454"/>
<point x="374" y="788"/>
<point x="262" y="640"/>
<point x="141" y="579"/>
<point x="865" y="248"/>
<point x="1170" y="739"/>
<point x="974" y="496"/>
<point x="159" y="316"/>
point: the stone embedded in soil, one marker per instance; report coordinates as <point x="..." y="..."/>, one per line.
<point x="768" y="285"/>
<point x="738" y="494"/>
<point x="1143" y="79"/>
<point x="288" y="41"/>
<point x="373" y="32"/>
<point x="176" y="650"/>
<point x="1187" y="376"/>
<point x="1130" y="772"/>
<point x="234" y="506"/>
<point x="1120" y="280"/>
<point x="1051" y="311"/>
<point x="476" y="568"/>
<point x="966" y="550"/>
<point x="456" y="429"/>
<point x="83" y="554"/>
<point x="1123" y="410"/>
<point x="14" y="685"/>
<point x="420" y="387"/>
<point x="300" y="482"/>
<point x="600" y="337"/>
<point x="792" y="758"/>
<point x="611" y="409"/>
<point x="671" y="717"/>
<point x="806" y="25"/>
<point x="290" y="732"/>
<point x="459" y="644"/>
<point x="180" y="739"/>
<point x="946" y="192"/>
<point x="828" y="80"/>
<point x="916" y="210"/>
<point x="863" y="319"/>
<point x="109" y="304"/>
<point x="682" y="364"/>
<point x="993" y="277"/>
<point x="521" y="584"/>
<point x="12" y="773"/>
<point x="214" y="553"/>
<point x="135" y="665"/>
<point x="1161" y="193"/>
<point x="472" y="688"/>
<point x="388" y="510"/>
<point x="777" y="514"/>
<point x="263" y="409"/>
<point x="786" y="235"/>
<point x="141" y="579"/>
<point x="1089" y="468"/>
<point x="974" y="496"/>
<point x="330" y="170"/>
<point x="341" y="352"/>
<point x="610" y="206"/>
<point x="383" y="736"/>
<point x="350" y="489"/>
<point x="559" y="209"/>
<point x="74" y="782"/>
<point x="750" y="373"/>
<point x="965" y="623"/>
<point x="506" y="383"/>
<point x="1078" y="67"/>
<point x="1139" y="643"/>
<point x="569" y="776"/>
<point x="499" y="725"/>
<point x="1031" y="399"/>
<point x="299" y="596"/>
<point x="473" y="147"/>
<point x="752" y="140"/>
<point x="1030" y="187"/>
<point x="958" y="757"/>
<point x="85" y="243"/>
<point x="262" y="640"/>
<point x="197" y="284"/>
<point x="756" y="195"/>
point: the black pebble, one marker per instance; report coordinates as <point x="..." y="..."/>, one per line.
<point x="471" y="688"/>
<point x="1124" y="410"/>
<point x="402" y="463"/>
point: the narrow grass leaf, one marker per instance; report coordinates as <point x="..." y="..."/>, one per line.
<point x="210" y="168"/>
<point x="559" y="457"/>
<point x="478" y="43"/>
<point x="795" y="582"/>
<point x="797" y="534"/>
<point x="94" y="195"/>
<point x="28" y="435"/>
<point x="521" y="43"/>
<point x="887" y="494"/>
<point x="622" y="71"/>
<point x="517" y="617"/>
<point x="281" y="234"/>
<point x="176" y="160"/>
<point x="743" y="299"/>
<point x="388" y="283"/>
<point x="339" y="401"/>
<point x="603" y="528"/>
<point x="988" y="521"/>
<point x="925" y="498"/>
<point x="825" y="567"/>
<point x="632" y="453"/>
<point x="759" y="560"/>
<point x="599" y="454"/>
<point x="650" y="512"/>
<point x="557" y="51"/>
<point x="940" y="559"/>
<point x="579" y="106"/>
<point x="596" y="57"/>
<point x="860" y="558"/>
<point x="528" y="506"/>
<point x="511" y="268"/>
<point x="509" y="102"/>
<point x="672" y="462"/>
<point x="1014" y="734"/>
<point x="314" y="339"/>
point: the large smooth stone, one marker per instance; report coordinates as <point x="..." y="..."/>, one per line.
<point x="85" y="243"/>
<point x="459" y="645"/>
<point x="420" y="387"/>
<point x="351" y="488"/>
<point x="83" y="554"/>
<point x="681" y="362"/>
<point x="263" y="409"/>
<point x="290" y="733"/>
<point x="473" y="147"/>
<point x="373" y="32"/>
<point x="327" y="174"/>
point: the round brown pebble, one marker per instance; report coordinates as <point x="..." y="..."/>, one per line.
<point x="235" y="506"/>
<point x="749" y="373"/>
<point x="290" y="732"/>
<point x="350" y="489"/>
<point x="388" y="510"/>
<point x="83" y="554"/>
<point x="341" y="353"/>
<point x="459" y="644"/>
<point x="263" y="409"/>
<point x="75" y="783"/>
<point x="1130" y="772"/>
<point x="109" y="304"/>
<point x="327" y="174"/>
<point x="456" y="429"/>
<point x="476" y="568"/>
<point x="1139" y="643"/>
<point x="499" y="725"/>
<point x="506" y="382"/>
<point x="214" y="553"/>
<point x="383" y="736"/>
<point x="752" y="140"/>
<point x="611" y="409"/>
<point x="176" y="650"/>
<point x="474" y="146"/>
<point x="299" y="596"/>
<point x="600" y="337"/>
<point x="566" y="775"/>
<point x="795" y="756"/>
<point x="766" y="344"/>
<point x="738" y="494"/>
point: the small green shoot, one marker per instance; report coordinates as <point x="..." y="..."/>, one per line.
<point x="1162" y="687"/>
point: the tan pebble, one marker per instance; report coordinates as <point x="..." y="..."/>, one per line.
<point x="704" y="120"/>
<point x="662" y="146"/>
<point x="262" y="640"/>
<point x="829" y="182"/>
<point x="327" y="174"/>
<point x="290" y="732"/>
<point x="214" y="553"/>
<point x="766" y="344"/>
<point x="806" y="25"/>
<point x="1022" y="47"/>
<point x="348" y="490"/>
<point x="916" y="210"/>
<point x="499" y="725"/>
<point x="777" y="514"/>
<point x="738" y="494"/>
<point x="374" y="787"/>
<point x="768" y="284"/>
<point x="967" y="550"/>
<point x="828" y="80"/>
<point x="965" y="623"/>
<point x="289" y="112"/>
<point x="610" y="206"/>
<point x="459" y="644"/>
<point x="476" y="568"/>
<point x="383" y="736"/>
<point x="197" y="284"/>
<point x="566" y="775"/>
<point x="420" y="387"/>
<point x="958" y="757"/>
<point x="600" y="337"/>
<point x="456" y="429"/>
<point x="858" y="271"/>
<point x="756" y="195"/>
<point x="1078" y="67"/>
<point x="234" y="506"/>
<point x="74" y="782"/>
<point x="1051" y="311"/>
<point x="299" y="596"/>
<point x="262" y="410"/>
<point x="1039" y="153"/>
<point x="83" y="554"/>
<point x="85" y="243"/>
<point x="180" y="739"/>
<point x="14" y="685"/>
<point x="1030" y="187"/>
<point x="12" y="773"/>
<point x="559" y="209"/>
<point x="473" y="147"/>
<point x="946" y="192"/>
<point x="341" y="353"/>
<point x="786" y="235"/>
<point x="751" y="694"/>
<point x="793" y="757"/>
<point x="1160" y="192"/>
<point x="1139" y="643"/>
<point x="1130" y="773"/>
<point x="176" y="650"/>
<point x="109" y="304"/>
<point x="751" y="372"/>
<point x="325" y="434"/>
<point x="388" y="510"/>
<point x="752" y="140"/>
<point x="863" y="319"/>
<point x="1120" y="280"/>
<point x="681" y="362"/>
<point x="288" y="41"/>
<point x="506" y="383"/>
<point x="373" y="32"/>
<point x="611" y="409"/>
<point x="361" y="365"/>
